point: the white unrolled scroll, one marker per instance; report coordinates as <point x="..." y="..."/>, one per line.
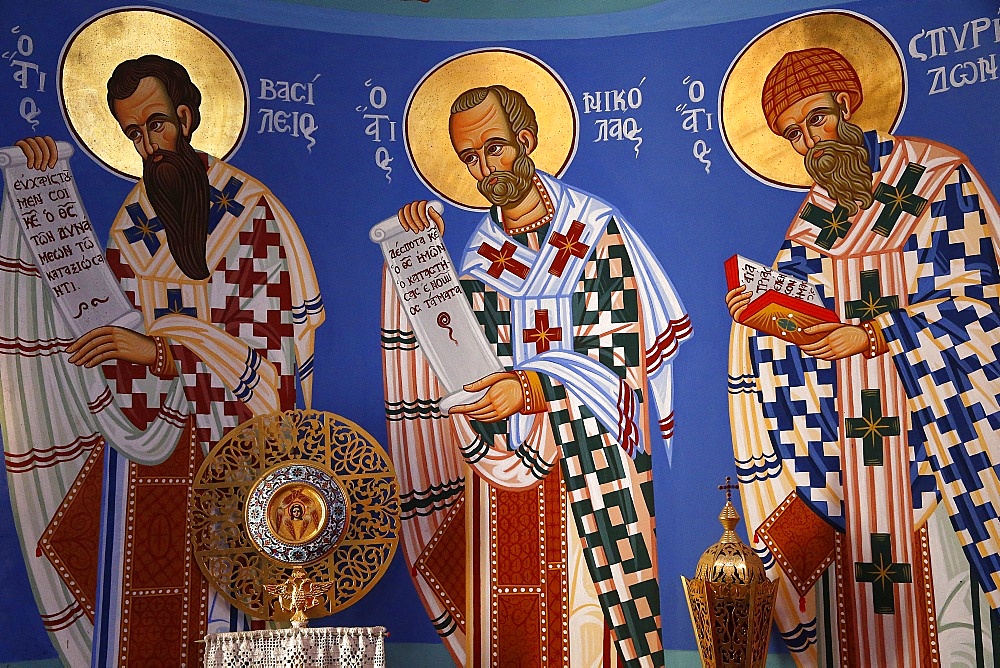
<point x="46" y="208"/>
<point x="429" y="292"/>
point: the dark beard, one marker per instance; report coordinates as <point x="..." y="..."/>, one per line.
<point x="505" y="188"/>
<point x="842" y="168"/>
<point x="177" y="187"/>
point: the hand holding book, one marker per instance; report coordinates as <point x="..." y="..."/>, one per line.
<point x="781" y="305"/>
<point x="775" y="303"/>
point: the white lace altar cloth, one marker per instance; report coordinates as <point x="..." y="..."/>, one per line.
<point x="319" y="647"/>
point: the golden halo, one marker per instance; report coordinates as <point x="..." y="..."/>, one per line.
<point x="103" y="41"/>
<point x="866" y="45"/>
<point x="425" y="130"/>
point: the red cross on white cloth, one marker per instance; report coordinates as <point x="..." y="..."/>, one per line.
<point x="568" y="245"/>
<point x="542" y="335"/>
<point x="503" y="260"/>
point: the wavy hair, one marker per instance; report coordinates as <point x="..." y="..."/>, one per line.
<point x="842" y="167"/>
<point x="176" y="80"/>
<point x="519" y="114"/>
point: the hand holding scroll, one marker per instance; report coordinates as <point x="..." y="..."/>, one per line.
<point x="503" y="398"/>
<point x="40" y="152"/>
<point x="112" y="343"/>
<point x="417" y="216"/>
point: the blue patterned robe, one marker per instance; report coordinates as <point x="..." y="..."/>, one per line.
<point x="874" y="445"/>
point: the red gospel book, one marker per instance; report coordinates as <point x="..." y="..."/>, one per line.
<point x="780" y="305"/>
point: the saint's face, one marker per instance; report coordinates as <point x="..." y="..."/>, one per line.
<point x="483" y="139"/>
<point x="811" y="120"/>
<point x="148" y="118"/>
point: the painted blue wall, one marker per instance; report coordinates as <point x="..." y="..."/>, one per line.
<point x="692" y="220"/>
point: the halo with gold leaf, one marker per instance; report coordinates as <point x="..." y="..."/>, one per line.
<point x="428" y="110"/>
<point x="302" y="493"/>
<point x="869" y="48"/>
<point x="107" y="39"/>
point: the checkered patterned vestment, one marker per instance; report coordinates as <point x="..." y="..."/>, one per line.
<point x="613" y="324"/>
<point x="921" y="265"/>
<point x="238" y="339"/>
<point x="235" y="336"/>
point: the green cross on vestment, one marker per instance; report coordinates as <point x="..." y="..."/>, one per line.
<point x="882" y="573"/>
<point x="898" y="199"/>
<point x="872" y="303"/>
<point x="832" y="224"/>
<point x="872" y="427"/>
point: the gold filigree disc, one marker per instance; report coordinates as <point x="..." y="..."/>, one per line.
<point x="246" y="533"/>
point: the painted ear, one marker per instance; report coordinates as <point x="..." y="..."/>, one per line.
<point x="185" y="117"/>
<point x="528" y="140"/>
<point x="844" y="100"/>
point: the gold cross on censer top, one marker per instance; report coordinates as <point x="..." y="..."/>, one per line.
<point x="730" y="598"/>
<point x="729" y="487"/>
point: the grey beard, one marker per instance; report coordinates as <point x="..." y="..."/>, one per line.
<point x="842" y="168"/>
<point x="504" y="188"/>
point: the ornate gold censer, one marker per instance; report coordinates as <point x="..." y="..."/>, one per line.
<point x="730" y="599"/>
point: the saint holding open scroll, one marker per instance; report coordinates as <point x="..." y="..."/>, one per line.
<point x="55" y="227"/>
<point x="553" y="455"/>
<point x="229" y="303"/>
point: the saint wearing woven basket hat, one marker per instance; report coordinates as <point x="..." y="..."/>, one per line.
<point x="868" y="454"/>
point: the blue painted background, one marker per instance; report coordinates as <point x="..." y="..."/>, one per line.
<point x="692" y="220"/>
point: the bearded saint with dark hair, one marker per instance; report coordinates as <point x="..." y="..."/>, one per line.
<point x="230" y="304"/>
<point x="176" y="181"/>
<point x="175" y="78"/>
<point x="868" y="457"/>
